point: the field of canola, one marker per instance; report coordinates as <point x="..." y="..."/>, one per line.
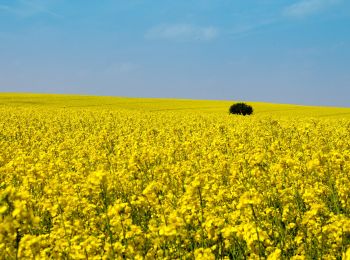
<point x="115" y="178"/>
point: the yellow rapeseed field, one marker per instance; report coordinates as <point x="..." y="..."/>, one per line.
<point x="115" y="178"/>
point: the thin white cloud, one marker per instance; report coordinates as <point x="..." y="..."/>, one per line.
<point x="4" y="8"/>
<point x="308" y="7"/>
<point x="182" y="32"/>
<point x="244" y="29"/>
<point x="28" y="8"/>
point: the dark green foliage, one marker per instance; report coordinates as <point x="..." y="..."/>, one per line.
<point x="241" y="109"/>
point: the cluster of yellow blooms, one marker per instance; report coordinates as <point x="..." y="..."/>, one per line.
<point x="92" y="183"/>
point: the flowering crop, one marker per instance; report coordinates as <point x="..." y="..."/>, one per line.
<point x="145" y="179"/>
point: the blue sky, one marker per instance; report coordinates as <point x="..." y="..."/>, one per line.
<point x="295" y="51"/>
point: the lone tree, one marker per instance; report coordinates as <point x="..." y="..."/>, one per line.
<point x="241" y="109"/>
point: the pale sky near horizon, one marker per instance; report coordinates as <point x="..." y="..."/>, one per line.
<point x="286" y="51"/>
